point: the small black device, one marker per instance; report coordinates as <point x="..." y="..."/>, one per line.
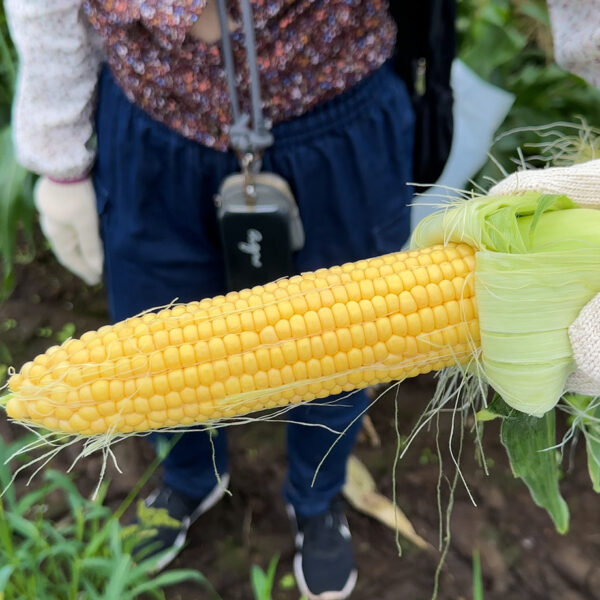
<point x="258" y="216"/>
<point x="260" y="228"/>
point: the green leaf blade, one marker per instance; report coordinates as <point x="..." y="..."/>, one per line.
<point x="527" y="441"/>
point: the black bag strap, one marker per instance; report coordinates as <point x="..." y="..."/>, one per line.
<point x="425" y="50"/>
<point x="426" y="42"/>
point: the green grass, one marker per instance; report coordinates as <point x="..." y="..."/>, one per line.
<point x="262" y="581"/>
<point x="83" y="552"/>
<point x="477" y="576"/>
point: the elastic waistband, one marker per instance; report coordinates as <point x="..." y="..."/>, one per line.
<point x="369" y="94"/>
<point x="338" y="111"/>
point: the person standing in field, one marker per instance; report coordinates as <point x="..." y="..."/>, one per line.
<point x="123" y="108"/>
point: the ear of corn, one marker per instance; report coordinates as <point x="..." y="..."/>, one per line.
<point x="294" y="340"/>
<point x="341" y="329"/>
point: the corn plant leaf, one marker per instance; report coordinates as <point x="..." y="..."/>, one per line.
<point x="8" y="70"/>
<point x="16" y="206"/>
<point x="591" y="431"/>
<point x="5" y="573"/>
<point x="528" y="441"/>
<point x="592" y="443"/>
<point x="536" y="12"/>
<point x="496" y="408"/>
<point x="172" y="578"/>
<point x="361" y="493"/>
<point x="586" y="416"/>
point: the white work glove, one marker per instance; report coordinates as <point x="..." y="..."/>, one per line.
<point x="581" y="183"/>
<point x="69" y="220"/>
<point x="584" y="334"/>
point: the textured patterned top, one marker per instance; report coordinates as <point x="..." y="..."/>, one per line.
<point x="576" y="29"/>
<point x="309" y="50"/>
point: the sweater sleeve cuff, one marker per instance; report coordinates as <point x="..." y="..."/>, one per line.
<point x="70" y="181"/>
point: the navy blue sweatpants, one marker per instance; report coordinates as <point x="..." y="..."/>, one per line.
<point x="347" y="162"/>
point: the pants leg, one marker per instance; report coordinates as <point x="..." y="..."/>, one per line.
<point x="348" y="163"/>
<point x="308" y="490"/>
<point x="192" y="465"/>
<point x="155" y="199"/>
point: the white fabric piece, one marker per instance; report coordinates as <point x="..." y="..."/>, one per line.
<point x="59" y="61"/>
<point x="69" y="220"/>
<point x="576" y="31"/>
<point x="581" y="183"/>
<point x="580" y="383"/>
<point x="473" y="135"/>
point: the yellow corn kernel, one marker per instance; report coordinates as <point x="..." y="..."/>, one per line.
<point x="263" y="359"/>
<point x="157" y="403"/>
<point x="283" y="329"/>
<point x="317" y="346"/>
<point x="173" y="400"/>
<point x="176" y="380"/>
<point x="340" y="315"/>
<point x="300" y="350"/>
<point x="268" y="336"/>
<point x="313" y="324"/>
<point x="344" y="339"/>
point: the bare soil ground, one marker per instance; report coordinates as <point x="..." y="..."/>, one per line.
<point x="523" y="557"/>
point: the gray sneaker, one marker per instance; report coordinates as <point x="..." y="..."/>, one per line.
<point x="168" y="515"/>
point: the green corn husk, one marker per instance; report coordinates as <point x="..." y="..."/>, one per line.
<point x="537" y="266"/>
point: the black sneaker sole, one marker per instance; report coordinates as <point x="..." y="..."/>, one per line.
<point x="343" y="594"/>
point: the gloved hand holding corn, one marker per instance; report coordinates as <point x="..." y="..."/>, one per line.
<point x="494" y="283"/>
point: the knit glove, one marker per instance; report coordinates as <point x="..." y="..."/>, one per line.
<point x="69" y="220"/>
<point x="581" y="183"/>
